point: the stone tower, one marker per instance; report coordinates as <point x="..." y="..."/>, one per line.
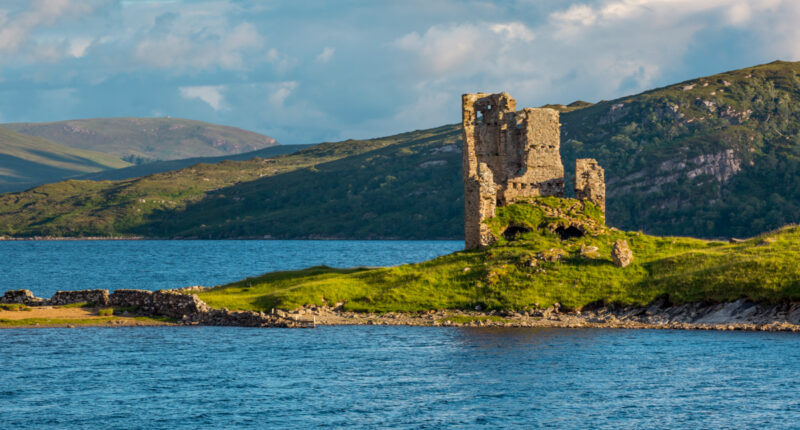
<point x="508" y="156"/>
<point x="590" y="183"/>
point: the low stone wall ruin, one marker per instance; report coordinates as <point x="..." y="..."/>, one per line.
<point x="186" y="308"/>
<point x="160" y="303"/>
<point x="24" y="297"/>
<point x="98" y="297"/>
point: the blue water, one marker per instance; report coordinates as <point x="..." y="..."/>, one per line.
<point x="363" y="377"/>
<point x="48" y="266"/>
<point x="409" y="377"/>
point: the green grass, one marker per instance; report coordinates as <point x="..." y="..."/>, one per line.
<point x="762" y="269"/>
<point x="119" y="310"/>
<point x="79" y="305"/>
<point x="29" y="160"/>
<point x="13" y="307"/>
<point x="107" y="312"/>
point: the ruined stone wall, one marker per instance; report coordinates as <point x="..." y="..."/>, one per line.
<point x="98" y="297"/>
<point x="161" y="303"/>
<point x="508" y="156"/>
<point x="19" y="297"/>
<point x="590" y="182"/>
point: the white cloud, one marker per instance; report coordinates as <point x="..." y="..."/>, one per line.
<point x="576" y="15"/>
<point x="325" y="55"/>
<point x="78" y="47"/>
<point x="210" y="94"/>
<point x="513" y="31"/>
<point x="408" y="61"/>
<point x="280" y="61"/>
<point x="442" y="50"/>
<point x="187" y="45"/>
<point x="16" y="30"/>
<point x="280" y="92"/>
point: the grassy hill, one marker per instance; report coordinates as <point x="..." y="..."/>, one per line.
<point x="142" y="205"/>
<point x="538" y="268"/>
<point x="140" y="170"/>
<point x="717" y="156"/>
<point x="26" y="161"/>
<point x="140" y="140"/>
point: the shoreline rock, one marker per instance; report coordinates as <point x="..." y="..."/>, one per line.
<point x="189" y="309"/>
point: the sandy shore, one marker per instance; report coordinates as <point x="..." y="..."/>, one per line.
<point x="59" y="316"/>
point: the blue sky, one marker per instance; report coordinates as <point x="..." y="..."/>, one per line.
<point x="309" y="71"/>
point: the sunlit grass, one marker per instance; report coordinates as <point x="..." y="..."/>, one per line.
<point x="501" y="277"/>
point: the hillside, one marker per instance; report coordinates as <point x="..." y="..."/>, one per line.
<point x="139" y="140"/>
<point x="537" y="268"/>
<point x="717" y="156"/>
<point x="26" y="161"/>
<point x="712" y="157"/>
<point x="140" y="170"/>
<point x="145" y="205"/>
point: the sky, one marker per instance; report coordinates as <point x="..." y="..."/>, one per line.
<point x="311" y="71"/>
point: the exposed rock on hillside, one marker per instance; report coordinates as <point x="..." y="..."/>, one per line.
<point x="621" y="253"/>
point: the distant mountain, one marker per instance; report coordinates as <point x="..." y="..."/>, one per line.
<point x="717" y="156"/>
<point x="26" y="161"/>
<point x="166" y="166"/>
<point x="139" y="140"/>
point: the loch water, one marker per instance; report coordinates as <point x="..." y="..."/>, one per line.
<point x="45" y="267"/>
<point x="361" y="376"/>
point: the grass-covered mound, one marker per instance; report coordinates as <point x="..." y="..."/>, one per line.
<point x="545" y="254"/>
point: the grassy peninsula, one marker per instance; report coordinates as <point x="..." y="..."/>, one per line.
<point x="541" y="259"/>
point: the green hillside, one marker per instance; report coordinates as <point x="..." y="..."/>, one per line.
<point x="140" y="206"/>
<point x="141" y="140"/>
<point x="26" y="161"/>
<point x="713" y="157"/>
<point x="538" y="268"/>
<point x="717" y="156"/>
<point x="140" y="170"/>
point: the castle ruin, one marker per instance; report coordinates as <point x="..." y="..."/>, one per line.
<point x="590" y="183"/>
<point x="511" y="156"/>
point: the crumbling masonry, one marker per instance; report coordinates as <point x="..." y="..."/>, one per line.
<point x="590" y="183"/>
<point x="511" y="156"/>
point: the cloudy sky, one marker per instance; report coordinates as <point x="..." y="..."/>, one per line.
<point x="308" y="71"/>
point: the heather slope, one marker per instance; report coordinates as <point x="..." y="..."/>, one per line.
<point x="147" y="139"/>
<point x="142" y="206"/>
<point x="26" y="161"/>
<point x="154" y="167"/>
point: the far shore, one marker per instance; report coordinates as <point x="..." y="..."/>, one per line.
<point x="62" y="238"/>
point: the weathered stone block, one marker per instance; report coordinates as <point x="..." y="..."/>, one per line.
<point x="621" y="253"/>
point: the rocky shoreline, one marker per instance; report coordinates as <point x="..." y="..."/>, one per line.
<point x="187" y="309"/>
